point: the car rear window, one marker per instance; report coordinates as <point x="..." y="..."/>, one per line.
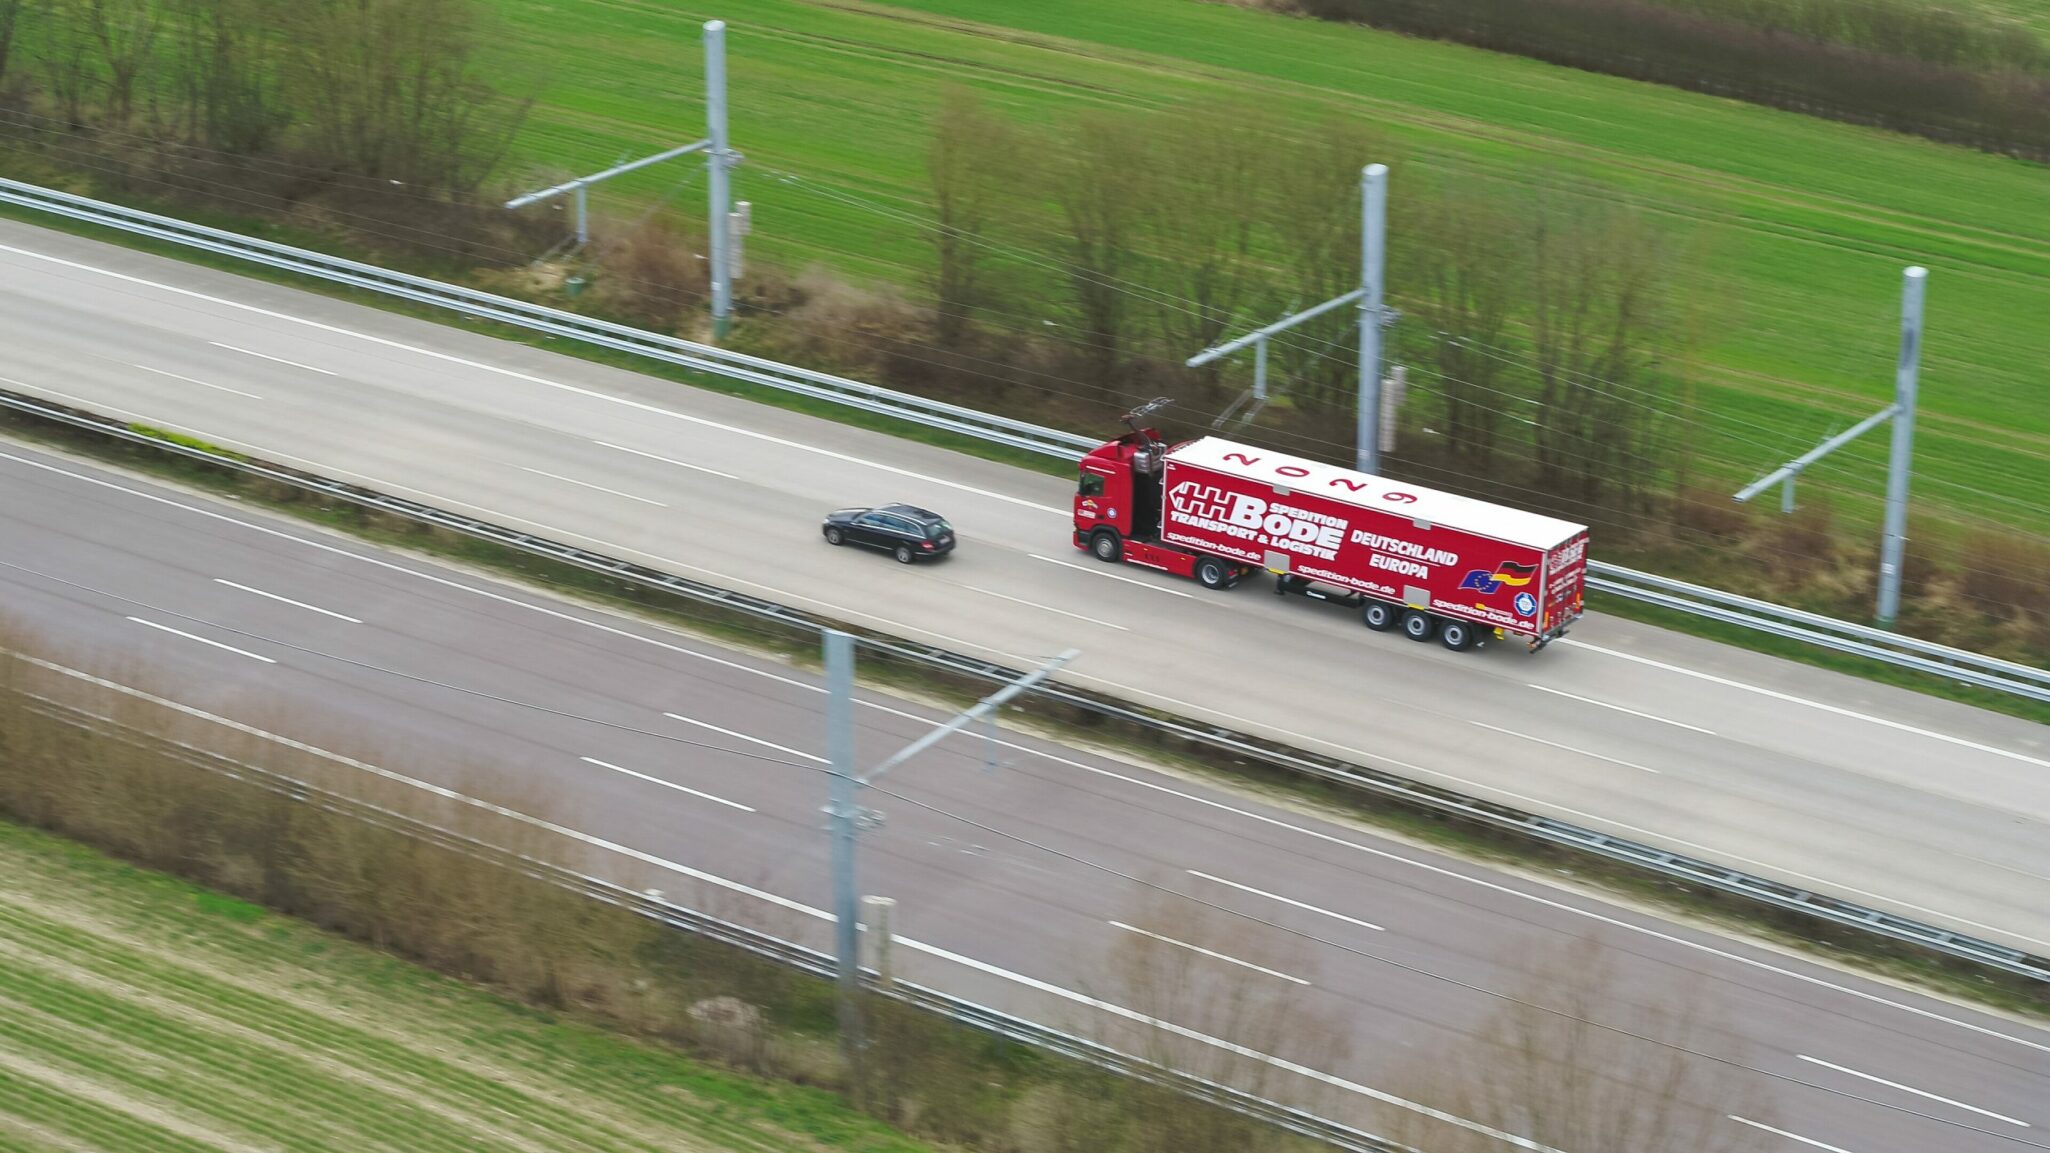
<point x="936" y="529"/>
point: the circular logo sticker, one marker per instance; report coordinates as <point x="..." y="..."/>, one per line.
<point x="1526" y="605"/>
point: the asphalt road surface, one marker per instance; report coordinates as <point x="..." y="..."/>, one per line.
<point x="696" y="770"/>
<point x="1921" y="806"/>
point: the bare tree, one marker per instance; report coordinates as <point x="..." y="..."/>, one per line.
<point x="1463" y="283"/>
<point x="1099" y="185"/>
<point x="1597" y="316"/>
<point x="972" y="162"/>
<point x="1313" y="198"/>
<point x="66" y="46"/>
<point x="398" y="89"/>
<point x="1561" y="1063"/>
<point x="126" y="32"/>
<point x="227" y="73"/>
<point x="1202" y="222"/>
<point x="10" y="19"/>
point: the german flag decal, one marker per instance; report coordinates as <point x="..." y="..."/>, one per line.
<point x="1508" y="574"/>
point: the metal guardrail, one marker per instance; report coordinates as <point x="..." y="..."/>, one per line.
<point x="1216" y="740"/>
<point x="813" y="962"/>
<point x="1841" y="636"/>
<point x="1827" y="632"/>
<point x="568" y="325"/>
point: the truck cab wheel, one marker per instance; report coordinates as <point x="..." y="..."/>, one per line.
<point x="1456" y="635"/>
<point x="1419" y="626"/>
<point x="1378" y="616"/>
<point x="1212" y="574"/>
<point x="1106" y="546"/>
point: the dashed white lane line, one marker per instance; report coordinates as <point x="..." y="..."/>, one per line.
<point x="288" y="601"/>
<point x="1041" y="607"/>
<point x="666" y="784"/>
<point x="203" y="640"/>
<point x="798" y="907"/>
<point x="1911" y="1089"/>
<point x="1291" y="901"/>
<point x="199" y="382"/>
<point x="1210" y="953"/>
<point x="744" y="737"/>
<point x="1567" y="748"/>
<point x="1808" y="1141"/>
<point x="1620" y="708"/>
<point x="592" y="487"/>
<point x="268" y="356"/>
<point x="1112" y="576"/>
<point x="664" y="459"/>
<point x="1835" y="710"/>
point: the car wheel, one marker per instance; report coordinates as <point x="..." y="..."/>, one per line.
<point x="835" y="537"/>
<point x="1419" y="626"/>
<point x="904" y="554"/>
<point x="1211" y="574"/>
<point x="1378" y="616"/>
<point x="1107" y="547"/>
<point x="1456" y="635"/>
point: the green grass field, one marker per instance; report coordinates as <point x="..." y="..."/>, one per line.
<point x="139" y="1013"/>
<point x="1806" y="223"/>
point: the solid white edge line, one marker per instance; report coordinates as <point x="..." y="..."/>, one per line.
<point x="268" y="356"/>
<point x="592" y="487"/>
<point x="1809" y="1141"/>
<point x="450" y="358"/>
<point x="738" y="736"/>
<point x="1619" y="708"/>
<point x="1041" y="607"/>
<point x="197" y="381"/>
<point x="666" y="784"/>
<point x="1567" y="748"/>
<point x="1288" y="901"/>
<point x="1911" y="1089"/>
<point x="289" y="601"/>
<point x="1210" y="953"/>
<point x="1113" y="576"/>
<point x="664" y="459"/>
<point x="1763" y="966"/>
<point x="1837" y="710"/>
<point x="793" y="906"/>
<point x="204" y="641"/>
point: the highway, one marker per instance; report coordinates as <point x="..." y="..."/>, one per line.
<point x="694" y="769"/>
<point x="1924" y="807"/>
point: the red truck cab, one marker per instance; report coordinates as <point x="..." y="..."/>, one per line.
<point x="1117" y="511"/>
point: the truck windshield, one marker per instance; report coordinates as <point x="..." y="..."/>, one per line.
<point x="1092" y="485"/>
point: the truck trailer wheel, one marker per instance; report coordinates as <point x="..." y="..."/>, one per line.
<point x="1456" y="635"/>
<point x="1378" y="616"/>
<point x="1212" y="574"/>
<point x="1419" y="626"/>
<point x="1106" y="546"/>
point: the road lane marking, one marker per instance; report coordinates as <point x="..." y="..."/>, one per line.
<point x="1112" y="576"/>
<point x="665" y="460"/>
<point x="799" y="907"/>
<point x="197" y="381"/>
<point x="204" y="641"/>
<point x="1041" y="607"/>
<point x="450" y="358"/>
<point x="1626" y="926"/>
<point x="1568" y="748"/>
<point x="749" y="739"/>
<point x="666" y="784"/>
<point x="1835" y="709"/>
<point x="1287" y="901"/>
<point x="592" y="487"/>
<point x="1210" y="953"/>
<point x="1912" y="1089"/>
<point x="1809" y="1141"/>
<point x="1620" y="709"/>
<point x="289" y="601"/>
<point x="268" y="356"/>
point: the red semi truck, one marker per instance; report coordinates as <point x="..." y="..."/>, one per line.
<point x="1435" y="564"/>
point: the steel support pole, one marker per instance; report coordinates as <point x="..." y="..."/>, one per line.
<point x="844" y="811"/>
<point x="721" y="161"/>
<point x="1893" y="547"/>
<point x="1373" y="227"/>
